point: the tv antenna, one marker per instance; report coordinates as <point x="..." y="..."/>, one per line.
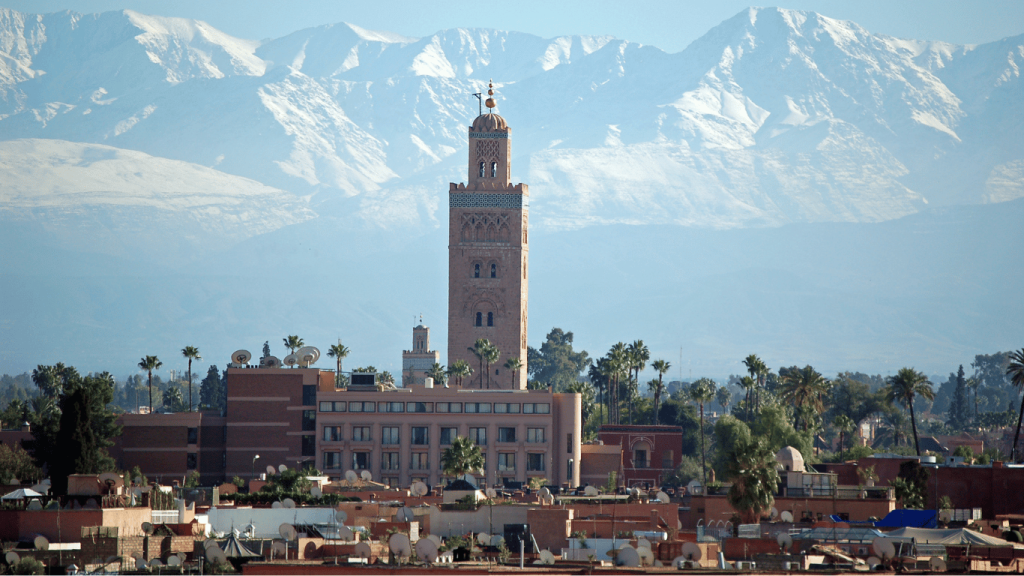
<point x="480" y="101"/>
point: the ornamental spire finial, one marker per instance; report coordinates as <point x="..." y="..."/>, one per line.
<point x="490" y="103"/>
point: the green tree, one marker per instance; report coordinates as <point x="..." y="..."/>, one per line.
<point x="758" y="370"/>
<point x="618" y="363"/>
<point x="15" y="462"/>
<point x="191" y="353"/>
<point x="462" y="457"/>
<point x="556" y="363"/>
<point x="150" y="363"/>
<point x="637" y="355"/>
<point x="458" y="370"/>
<point x="339" y="352"/>
<point x="755" y="479"/>
<point x="689" y="469"/>
<point x="479" y="349"/>
<point x="803" y="389"/>
<point x="491" y="356"/>
<point x="514" y="364"/>
<point x="293" y="343"/>
<point x="701" y="392"/>
<point x="723" y="397"/>
<point x="587" y="394"/>
<point x="661" y="367"/>
<point x="266" y="349"/>
<point x="192" y="479"/>
<point x="173" y="401"/>
<point x="974" y="384"/>
<point x="78" y="450"/>
<point x="1015" y="370"/>
<point x="844" y="425"/>
<point x="437" y="372"/>
<point x="213" y="394"/>
<point x="911" y="485"/>
<point x="958" y="414"/>
<point x="902" y="388"/>
<point x="748" y="384"/>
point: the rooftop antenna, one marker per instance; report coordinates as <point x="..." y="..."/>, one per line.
<point x="480" y="101"/>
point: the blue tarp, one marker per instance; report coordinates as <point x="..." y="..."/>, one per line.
<point x="909" y="519"/>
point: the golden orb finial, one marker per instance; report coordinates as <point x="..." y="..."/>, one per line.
<point x="490" y="103"/>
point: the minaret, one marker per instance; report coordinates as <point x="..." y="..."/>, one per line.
<point x="488" y="256"/>
<point x="417" y="362"/>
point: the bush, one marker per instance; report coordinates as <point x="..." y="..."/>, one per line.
<point x="28" y="566"/>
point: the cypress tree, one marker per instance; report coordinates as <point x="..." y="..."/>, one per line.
<point x="959" y="413"/>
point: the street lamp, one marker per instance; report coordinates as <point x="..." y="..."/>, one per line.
<point x="254" y="459"/>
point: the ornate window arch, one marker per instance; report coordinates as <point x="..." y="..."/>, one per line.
<point x="483" y="168"/>
<point x="494" y="270"/>
<point x="494" y="169"/>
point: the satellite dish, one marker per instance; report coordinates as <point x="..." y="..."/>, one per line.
<point x="287" y="531"/>
<point x="590" y="491"/>
<point x="12" y="558"/>
<point x="491" y="493"/>
<point x="435" y="539"/>
<point x="141" y="564"/>
<point x="642" y="542"/>
<point x="692" y="552"/>
<point x="173" y="561"/>
<point x="774" y="513"/>
<point x="241" y="357"/>
<point x="156" y="562"/>
<point x="419" y="489"/>
<point x="873" y="561"/>
<point x="365" y="475"/>
<point x="291" y="360"/>
<point x="219" y="557"/>
<point x="288" y="503"/>
<point x="276" y="504"/>
<point x="937" y="564"/>
<point x="883" y="548"/>
<point x="362" y="550"/>
<point x="147" y="528"/>
<point x="627" y="557"/>
<point x="426" y="550"/>
<point x="405" y="514"/>
<point x="635" y="492"/>
<point x="400" y="546"/>
<point x="786" y="516"/>
<point x="271" y="470"/>
<point x="346" y="534"/>
<point x="316" y="492"/>
<point x="90" y="504"/>
<point x="281" y="468"/>
<point x="137" y="480"/>
<point x="340" y="515"/>
<point x="544" y="492"/>
<point x="112" y="480"/>
<point x="484" y="539"/>
<point x="351" y="476"/>
<point x="306" y="356"/>
<point x="207" y="544"/>
<point x="279" y="548"/>
<point x="646" y="556"/>
<point x="270" y="362"/>
<point x="662" y="496"/>
<point x="945" y="516"/>
<point x="785" y="541"/>
<point x="546" y="557"/>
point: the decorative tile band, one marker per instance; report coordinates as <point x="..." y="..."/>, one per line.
<point x="498" y="135"/>
<point x="514" y="201"/>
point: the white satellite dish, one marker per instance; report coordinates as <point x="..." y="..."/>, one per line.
<point x="287" y="531"/>
<point x="635" y="492"/>
<point x="646" y="556"/>
<point x="351" y="476"/>
<point x="692" y="552"/>
<point x="590" y="491"/>
<point x="219" y="557"/>
<point x="873" y="561"/>
<point x="484" y="539"/>
<point x="270" y="362"/>
<point x="405" y="514"/>
<point x="291" y="360"/>
<point x="491" y="493"/>
<point x="546" y="557"/>
<point x="642" y="542"/>
<point x="12" y="558"/>
<point x="41" y="543"/>
<point x="366" y="475"/>
<point x="426" y="550"/>
<point x="173" y="561"/>
<point x="785" y="541"/>
<point x="435" y="539"/>
<point x="544" y="492"/>
<point x="271" y="470"/>
<point x="400" y="546"/>
<point x="662" y="496"/>
<point x="346" y="534"/>
<point x="281" y="468"/>
<point x="288" y="503"/>
<point x="316" y="492"/>
<point x="306" y="356"/>
<point x="111" y="480"/>
<point x="141" y="564"/>
<point x="340" y="516"/>
<point x="279" y="548"/>
<point x="363" y="550"/>
<point x="241" y="357"/>
<point x="945" y="516"/>
<point x="207" y="544"/>
<point x="419" y="489"/>
<point x="883" y="548"/>
<point x="774" y="513"/>
<point x="156" y="562"/>
<point x="276" y="504"/>
<point x="627" y="557"/>
<point x="937" y="564"/>
<point x="786" y="516"/>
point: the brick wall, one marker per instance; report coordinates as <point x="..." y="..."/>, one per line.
<point x="550" y="527"/>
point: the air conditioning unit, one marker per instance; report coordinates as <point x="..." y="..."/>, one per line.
<point x="793" y="566"/>
<point x="689" y="565"/>
<point x="746" y="565"/>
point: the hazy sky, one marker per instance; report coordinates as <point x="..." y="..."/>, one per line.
<point x="667" y="24"/>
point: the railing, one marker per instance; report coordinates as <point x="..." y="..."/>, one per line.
<point x="165" y="516"/>
<point x="877" y="492"/>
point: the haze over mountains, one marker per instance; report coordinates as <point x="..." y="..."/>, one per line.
<point x="789" y="184"/>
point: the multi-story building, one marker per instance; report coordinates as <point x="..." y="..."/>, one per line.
<point x="649" y="453"/>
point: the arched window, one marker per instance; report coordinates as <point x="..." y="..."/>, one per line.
<point x="479" y="319"/>
<point x="482" y="168"/>
<point x="476" y="270"/>
<point x="490" y="318"/>
<point x="494" y="270"/>
<point x="494" y="169"/>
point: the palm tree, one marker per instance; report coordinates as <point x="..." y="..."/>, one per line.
<point x="637" y="355"/>
<point x="903" y="388"/>
<point x="462" y="457"/>
<point x="802" y="389"/>
<point x="293" y="343"/>
<point x="192" y="353"/>
<point x="753" y="364"/>
<point x="459" y="369"/>
<point x="338" y="352"/>
<point x="437" y="372"/>
<point x="701" y="392"/>
<point x="386" y="378"/>
<point x="514" y="364"/>
<point x="479" y="349"/>
<point x="150" y="363"/>
<point x="619" y="357"/>
<point x="661" y="367"/>
<point x="606" y="368"/>
<point x="1015" y="370"/>
<point x="755" y="479"/>
<point x="843" y="424"/>
<point x="748" y="384"/>
<point x="491" y="355"/>
<point x="724" y="397"/>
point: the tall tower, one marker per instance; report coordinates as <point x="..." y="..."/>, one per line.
<point x="417" y="362"/>
<point x="488" y="256"/>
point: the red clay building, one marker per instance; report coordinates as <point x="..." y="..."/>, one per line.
<point x="648" y="453"/>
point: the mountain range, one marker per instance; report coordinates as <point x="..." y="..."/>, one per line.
<point x="789" y="184"/>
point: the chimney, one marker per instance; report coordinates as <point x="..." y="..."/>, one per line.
<point x="997" y="464"/>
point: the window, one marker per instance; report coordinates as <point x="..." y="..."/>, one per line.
<point x="361" y="433"/>
<point x="360" y="460"/>
<point x="506" y="408"/>
<point x="667" y="460"/>
<point x="309" y="445"/>
<point x="389" y="435"/>
<point x="494" y="270"/>
<point x="640" y="459"/>
<point x="483" y="166"/>
<point x="507" y="461"/>
<point x="193" y="435"/>
<point x="392" y="406"/>
<point x="447" y="435"/>
<point x="478" y="407"/>
<point x="476" y="270"/>
<point x="309" y="420"/>
<point x="449" y="407"/>
<point x="506" y="434"/>
<point x="362" y="406"/>
<point x="332" y="460"/>
<point x="479" y="319"/>
<point x="332" y="406"/>
<point x="494" y="169"/>
<point x="390" y="481"/>
<point x="191" y="460"/>
<point x="420" y="407"/>
<point x="419" y="461"/>
<point x="309" y="395"/>
<point x="332" y="433"/>
<point x="419" y="435"/>
<point x="490" y="318"/>
<point x="535" y="462"/>
<point x="536" y="408"/>
<point x="389" y="461"/>
<point x="535" y="435"/>
<point x="478" y="436"/>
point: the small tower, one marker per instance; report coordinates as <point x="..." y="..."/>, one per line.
<point x="417" y="362"/>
